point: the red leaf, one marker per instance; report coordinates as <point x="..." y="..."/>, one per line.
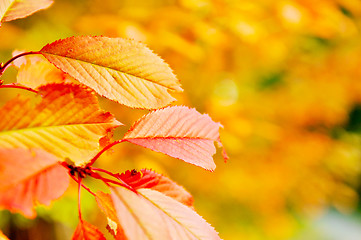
<point x="28" y="177"/>
<point x="153" y="215"/>
<point x="86" y="231"/>
<point x="150" y="179"/>
<point x="179" y="132"/>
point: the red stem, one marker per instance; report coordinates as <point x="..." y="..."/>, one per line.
<point x="85" y="187"/>
<point x="3" y="67"/>
<point x="14" y="85"/>
<point x="105" y="171"/>
<point x="102" y="151"/>
<point x="107" y="180"/>
<point x="79" y="197"/>
<point x="121" y="183"/>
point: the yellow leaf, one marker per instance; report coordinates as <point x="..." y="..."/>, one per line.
<point x="67" y="123"/>
<point x="122" y="70"/>
<point x="33" y="75"/>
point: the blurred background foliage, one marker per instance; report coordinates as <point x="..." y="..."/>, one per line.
<point x="283" y="77"/>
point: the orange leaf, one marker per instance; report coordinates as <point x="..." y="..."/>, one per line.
<point x="153" y="215"/>
<point x="14" y="9"/>
<point x="105" y="203"/>
<point x="122" y="70"/>
<point x="150" y="179"/>
<point x="28" y="177"/>
<point x="86" y="231"/>
<point x="67" y="123"/>
<point x="33" y="75"/>
<point x="179" y="132"/>
<point x="35" y="70"/>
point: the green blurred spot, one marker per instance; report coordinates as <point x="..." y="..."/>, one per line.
<point x="345" y="11"/>
<point x="354" y="122"/>
<point x="271" y="80"/>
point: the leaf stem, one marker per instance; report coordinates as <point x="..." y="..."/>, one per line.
<point x="15" y="85"/>
<point x="85" y="187"/>
<point x="115" y="175"/>
<point x="92" y="161"/>
<point x="107" y="172"/>
<point x="79" y="196"/>
<point x="5" y="65"/>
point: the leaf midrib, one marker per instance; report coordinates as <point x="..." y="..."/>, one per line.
<point x="168" y="138"/>
<point x="51" y="126"/>
<point x="133" y="214"/>
<point x="162" y="210"/>
<point x="146" y="79"/>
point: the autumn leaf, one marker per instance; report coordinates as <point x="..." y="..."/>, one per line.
<point x="149" y="179"/>
<point x="35" y="70"/>
<point x="179" y="132"/>
<point x="33" y="75"/>
<point x="28" y="177"/>
<point x="153" y="215"/>
<point x="24" y="60"/>
<point x="122" y="70"/>
<point x="14" y="9"/>
<point x="67" y="123"/>
<point x="2" y="236"/>
<point x="86" y="231"/>
<point x="105" y="203"/>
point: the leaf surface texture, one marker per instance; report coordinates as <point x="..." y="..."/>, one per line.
<point x="34" y="71"/>
<point x="179" y="132"/>
<point x="28" y="177"/>
<point x="122" y="70"/>
<point x="87" y="231"/>
<point x="14" y="9"/>
<point x="67" y="123"/>
<point x="149" y="179"/>
<point x="153" y="215"/>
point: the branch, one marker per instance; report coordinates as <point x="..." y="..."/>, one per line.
<point x="115" y="175"/>
<point x="79" y="196"/>
<point x="92" y="161"/>
<point x="4" y="66"/>
<point x="85" y="187"/>
<point x="15" y="85"/>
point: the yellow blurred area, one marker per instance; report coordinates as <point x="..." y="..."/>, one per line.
<point x="283" y="78"/>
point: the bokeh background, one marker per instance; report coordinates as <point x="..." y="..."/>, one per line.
<point x="284" y="79"/>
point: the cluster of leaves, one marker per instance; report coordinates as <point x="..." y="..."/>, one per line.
<point x="283" y="78"/>
<point x="60" y="137"/>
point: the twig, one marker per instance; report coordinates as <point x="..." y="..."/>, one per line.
<point x="5" y="65"/>
<point x="92" y="161"/>
<point x="14" y="85"/>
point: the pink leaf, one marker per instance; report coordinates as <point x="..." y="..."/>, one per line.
<point x="179" y="132"/>
<point x="153" y="215"/>
<point x="28" y="177"/>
